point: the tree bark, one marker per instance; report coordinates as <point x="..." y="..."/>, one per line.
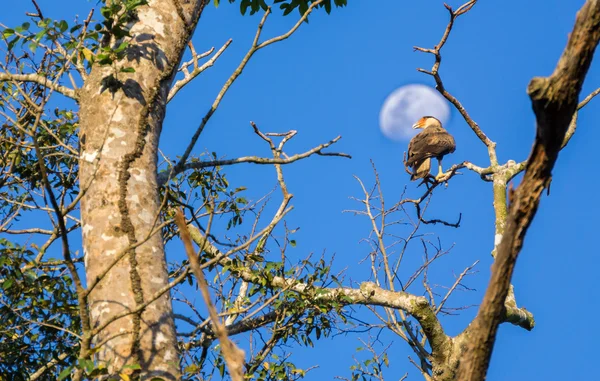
<point x="554" y="101"/>
<point x="120" y="129"/>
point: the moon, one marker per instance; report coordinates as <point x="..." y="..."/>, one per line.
<point x="407" y="104"/>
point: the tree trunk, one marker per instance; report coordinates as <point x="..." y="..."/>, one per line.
<point x="121" y="121"/>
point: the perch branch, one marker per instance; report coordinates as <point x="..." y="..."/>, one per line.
<point x="434" y="72"/>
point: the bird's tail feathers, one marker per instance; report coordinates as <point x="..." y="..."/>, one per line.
<point x="421" y="170"/>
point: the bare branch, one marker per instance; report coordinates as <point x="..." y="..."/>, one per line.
<point x="40" y="80"/>
<point x="237" y="72"/>
<point x="318" y="150"/>
<point x="456" y="283"/>
<point x="38" y="9"/>
<point x="234" y="357"/>
<point x="197" y="69"/>
<point x="434" y="72"/>
<point x="573" y="124"/>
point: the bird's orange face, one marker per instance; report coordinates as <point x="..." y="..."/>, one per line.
<point x="420" y="123"/>
<point x="426" y="121"/>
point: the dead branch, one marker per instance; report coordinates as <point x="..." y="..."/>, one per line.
<point x="431" y="185"/>
<point x="234" y="357"/>
<point x="189" y="76"/>
<point x="434" y="72"/>
<point x="456" y="283"/>
<point x="318" y="150"/>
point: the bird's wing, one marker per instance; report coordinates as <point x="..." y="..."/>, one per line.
<point x="432" y="142"/>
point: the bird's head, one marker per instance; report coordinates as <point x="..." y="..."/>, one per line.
<point x="427" y="121"/>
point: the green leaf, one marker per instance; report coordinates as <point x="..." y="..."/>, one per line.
<point x="216" y="2"/>
<point x="8" y="32"/>
<point x="76" y="28"/>
<point x="105" y="12"/>
<point x="244" y="6"/>
<point x="65" y="373"/>
<point x="7" y="284"/>
<point x="127" y="70"/>
<point x="104" y="59"/>
<point x="287" y="9"/>
<point x="88" y="365"/>
<point x="23" y="27"/>
<point x="63" y="26"/>
<point x="44" y="23"/>
<point x="122" y="47"/>
<point x="303" y="8"/>
<point x="40" y="34"/>
<point x="11" y="43"/>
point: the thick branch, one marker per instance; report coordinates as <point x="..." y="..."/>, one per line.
<point x="368" y="294"/>
<point x="515" y="315"/>
<point x="554" y="102"/>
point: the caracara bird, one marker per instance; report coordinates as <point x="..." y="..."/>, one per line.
<point x="433" y="141"/>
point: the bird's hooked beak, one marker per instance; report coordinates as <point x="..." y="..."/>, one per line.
<point x="417" y="125"/>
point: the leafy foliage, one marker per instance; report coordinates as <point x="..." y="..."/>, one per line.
<point x="38" y="306"/>
<point x="287" y="6"/>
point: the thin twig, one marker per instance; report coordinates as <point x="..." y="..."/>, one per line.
<point x="237" y="72"/>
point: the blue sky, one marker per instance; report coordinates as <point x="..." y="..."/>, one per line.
<point x="332" y="77"/>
